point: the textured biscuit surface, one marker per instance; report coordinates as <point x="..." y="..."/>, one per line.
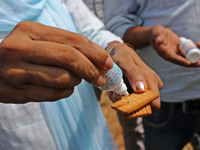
<point x="144" y="111"/>
<point x="135" y="105"/>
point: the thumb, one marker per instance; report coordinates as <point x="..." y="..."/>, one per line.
<point x="136" y="84"/>
<point x="198" y="44"/>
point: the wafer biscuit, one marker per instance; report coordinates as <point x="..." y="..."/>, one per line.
<point x="144" y="111"/>
<point x="134" y="101"/>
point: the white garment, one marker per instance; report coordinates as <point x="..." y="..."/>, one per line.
<point x="88" y="24"/>
<point x="181" y="16"/>
<point x="22" y="127"/>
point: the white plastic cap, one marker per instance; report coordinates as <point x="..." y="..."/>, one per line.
<point x="121" y="88"/>
<point x="193" y="55"/>
<point x="183" y="39"/>
<point x="184" y="43"/>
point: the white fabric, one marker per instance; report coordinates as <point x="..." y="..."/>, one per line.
<point x="181" y="16"/>
<point x="22" y="127"/>
<point x="88" y="24"/>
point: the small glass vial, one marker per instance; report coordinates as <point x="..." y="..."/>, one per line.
<point x="115" y="82"/>
<point x="192" y="53"/>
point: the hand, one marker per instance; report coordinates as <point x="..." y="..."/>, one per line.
<point x="166" y="44"/>
<point x="198" y="44"/>
<point x="138" y="74"/>
<point x="197" y="64"/>
<point x="42" y="63"/>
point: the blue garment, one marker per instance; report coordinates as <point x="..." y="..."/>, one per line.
<point x="180" y="83"/>
<point x="48" y="12"/>
<point x="75" y="123"/>
<point x="169" y="128"/>
<point x="78" y="123"/>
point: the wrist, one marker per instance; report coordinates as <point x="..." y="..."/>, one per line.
<point x="138" y="36"/>
<point x="111" y="46"/>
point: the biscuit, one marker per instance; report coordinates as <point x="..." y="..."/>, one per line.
<point x="134" y="102"/>
<point x="144" y="111"/>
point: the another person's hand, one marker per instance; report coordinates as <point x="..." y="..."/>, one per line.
<point x="198" y="63"/>
<point x="166" y="44"/>
<point x="42" y="63"/>
<point x="136" y="73"/>
<point x="198" y="44"/>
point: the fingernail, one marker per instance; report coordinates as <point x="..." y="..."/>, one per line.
<point x="140" y="86"/>
<point x="109" y="63"/>
<point x="101" y="81"/>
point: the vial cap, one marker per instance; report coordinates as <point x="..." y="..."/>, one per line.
<point x="193" y="55"/>
<point x="122" y="89"/>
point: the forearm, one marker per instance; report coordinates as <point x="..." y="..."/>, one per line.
<point x="138" y="37"/>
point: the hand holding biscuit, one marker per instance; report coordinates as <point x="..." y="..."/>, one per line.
<point x="137" y="75"/>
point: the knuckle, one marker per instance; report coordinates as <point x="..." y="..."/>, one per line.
<point x="137" y="72"/>
<point x="119" y="61"/>
<point x="73" y="59"/>
<point x="93" y="74"/>
<point x="9" y="48"/>
<point x="6" y="44"/>
<point x="67" y="80"/>
<point x="46" y="34"/>
<point x="63" y="79"/>
<point x="23" y="25"/>
<point x="63" y="54"/>
<point x="10" y="77"/>
<point x="148" y="72"/>
<point x="73" y="39"/>
<point x="13" y="40"/>
<point x="80" y="41"/>
<point x="13" y="77"/>
<point x="122" y="63"/>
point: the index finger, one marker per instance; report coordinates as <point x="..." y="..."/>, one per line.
<point x="67" y="57"/>
<point x="178" y="59"/>
<point x="39" y="32"/>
